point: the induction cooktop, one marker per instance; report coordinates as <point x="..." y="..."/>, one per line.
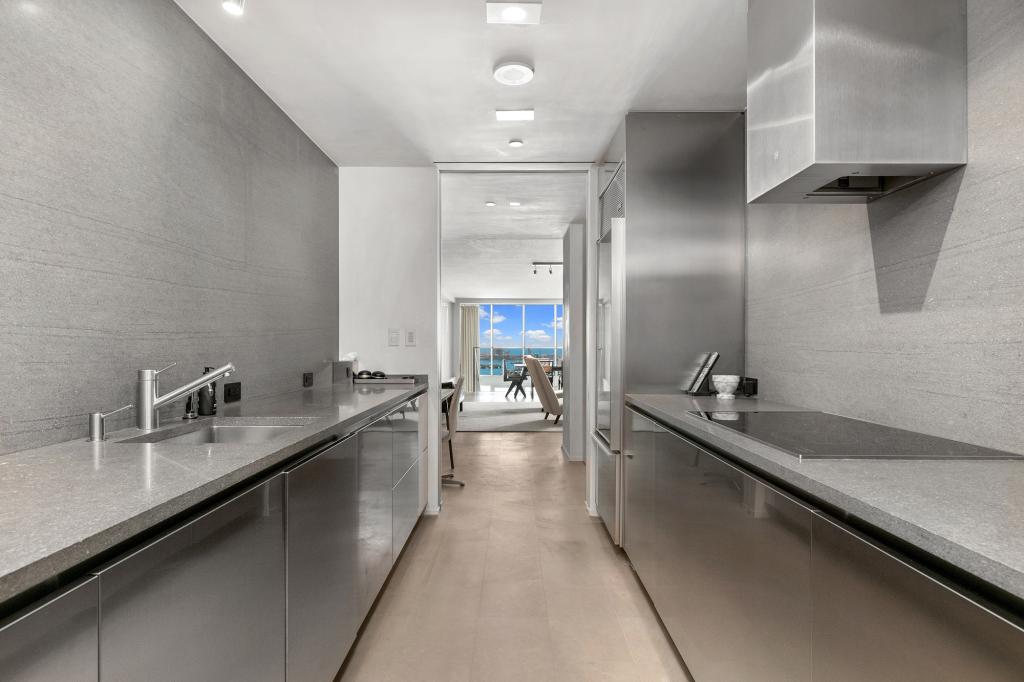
<point x="819" y="435"/>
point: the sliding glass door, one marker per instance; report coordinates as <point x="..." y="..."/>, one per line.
<point x="509" y="331"/>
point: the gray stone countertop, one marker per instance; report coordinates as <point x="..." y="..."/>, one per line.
<point x="63" y="504"/>
<point x="967" y="513"/>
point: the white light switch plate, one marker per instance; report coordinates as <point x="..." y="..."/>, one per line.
<point x="410" y="337"/>
<point x="394" y="336"/>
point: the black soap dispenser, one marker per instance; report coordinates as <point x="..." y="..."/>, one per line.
<point x="208" y="397"/>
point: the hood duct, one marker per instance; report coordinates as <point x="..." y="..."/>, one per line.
<point x="850" y="100"/>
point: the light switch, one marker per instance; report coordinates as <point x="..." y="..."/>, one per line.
<point x="410" y="337"/>
<point x="394" y="336"/>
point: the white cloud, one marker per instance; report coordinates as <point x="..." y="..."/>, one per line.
<point x="557" y="324"/>
<point x="497" y="318"/>
<point x="538" y="335"/>
<point x="483" y="312"/>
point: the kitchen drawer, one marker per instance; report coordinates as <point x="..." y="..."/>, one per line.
<point x="406" y="506"/>
<point x="375" y="468"/>
<point x="325" y="605"/>
<point x="733" y="569"/>
<point x="55" y="640"/>
<point x="405" y="423"/>
<point x="204" y="602"/>
<point x="878" y="617"/>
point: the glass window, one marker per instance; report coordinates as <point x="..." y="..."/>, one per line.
<point x="486" y="368"/>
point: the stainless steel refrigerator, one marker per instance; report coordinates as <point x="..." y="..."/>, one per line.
<point x="670" y="269"/>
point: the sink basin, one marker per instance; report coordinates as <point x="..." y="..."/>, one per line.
<point x="231" y="434"/>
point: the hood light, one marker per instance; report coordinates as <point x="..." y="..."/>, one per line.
<point x="234" y="7"/>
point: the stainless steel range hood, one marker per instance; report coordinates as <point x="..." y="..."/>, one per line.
<point x="850" y="100"/>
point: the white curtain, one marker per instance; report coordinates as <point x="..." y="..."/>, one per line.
<point x="469" y="344"/>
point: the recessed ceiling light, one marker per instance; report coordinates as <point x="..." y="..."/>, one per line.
<point x="235" y="7"/>
<point x="513" y="12"/>
<point x="516" y="143"/>
<point x="513" y="73"/>
<point x="490" y="204"/>
<point x="514" y="114"/>
<point x="513" y="204"/>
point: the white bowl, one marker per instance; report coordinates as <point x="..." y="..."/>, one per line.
<point x="726" y="385"/>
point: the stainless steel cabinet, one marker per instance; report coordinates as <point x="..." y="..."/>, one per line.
<point x="204" y="602"/>
<point x="406" y="449"/>
<point x="325" y="605"/>
<point x="733" y="583"/>
<point x="56" y="640"/>
<point x="877" y="617"/>
<point x="376" y="482"/>
<point x="608" y="487"/>
<point x="639" y="509"/>
<point x="406" y="507"/>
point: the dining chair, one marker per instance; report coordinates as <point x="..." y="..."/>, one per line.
<point x="448" y="431"/>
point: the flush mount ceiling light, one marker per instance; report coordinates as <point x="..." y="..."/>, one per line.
<point x="514" y="114"/>
<point x="513" y="12"/>
<point x="515" y="144"/>
<point x="513" y="204"/>
<point x="234" y="7"/>
<point x="513" y="73"/>
<point x="490" y="204"/>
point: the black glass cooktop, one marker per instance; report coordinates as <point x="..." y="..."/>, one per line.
<point x="818" y="435"/>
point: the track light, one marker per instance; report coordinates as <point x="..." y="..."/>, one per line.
<point x="234" y="7"/>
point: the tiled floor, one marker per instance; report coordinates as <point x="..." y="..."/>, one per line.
<point x="513" y="581"/>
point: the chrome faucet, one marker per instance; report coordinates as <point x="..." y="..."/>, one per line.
<point x="147" y="415"/>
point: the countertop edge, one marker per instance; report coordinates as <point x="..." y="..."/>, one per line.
<point x="37" y="574"/>
<point x="738" y="446"/>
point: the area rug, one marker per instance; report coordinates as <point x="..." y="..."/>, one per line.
<point x="489" y="416"/>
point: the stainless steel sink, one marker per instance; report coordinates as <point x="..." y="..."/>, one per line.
<point x="230" y="434"/>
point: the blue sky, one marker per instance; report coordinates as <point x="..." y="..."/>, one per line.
<point x="508" y="326"/>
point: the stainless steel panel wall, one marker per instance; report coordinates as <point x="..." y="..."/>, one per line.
<point x="56" y="640"/>
<point x="325" y="606"/>
<point x="155" y="206"/>
<point x="376" y="483"/>
<point x="733" y="570"/>
<point x="206" y="602"/>
<point x="405" y="508"/>
<point x="876" y="617"/>
<point x="684" y="246"/>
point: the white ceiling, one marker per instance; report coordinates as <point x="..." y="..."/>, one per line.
<point x="486" y="251"/>
<point x="408" y="82"/>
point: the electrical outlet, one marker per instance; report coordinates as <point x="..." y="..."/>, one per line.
<point x="307" y="379"/>
<point x="233" y="392"/>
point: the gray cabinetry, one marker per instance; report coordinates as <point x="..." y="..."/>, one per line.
<point x="733" y="570"/>
<point x="55" y="640"/>
<point x="204" y="602"/>
<point x="376" y="482"/>
<point x="877" y="617"/>
<point x="325" y="605"/>
<point x="406" y="424"/>
<point x="640" y="521"/>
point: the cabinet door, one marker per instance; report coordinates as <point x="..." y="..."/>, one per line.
<point x="205" y="602"/>
<point x="56" y="640"/>
<point x="733" y="573"/>
<point x="607" y="487"/>
<point x="375" y="514"/>
<point x="406" y="504"/>
<point x="639" y="522"/>
<point x="877" y="617"/>
<point x="324" y="599"/>
<point x="406" y="425"/>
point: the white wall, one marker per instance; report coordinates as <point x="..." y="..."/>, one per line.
<point x="389" y="273"/>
